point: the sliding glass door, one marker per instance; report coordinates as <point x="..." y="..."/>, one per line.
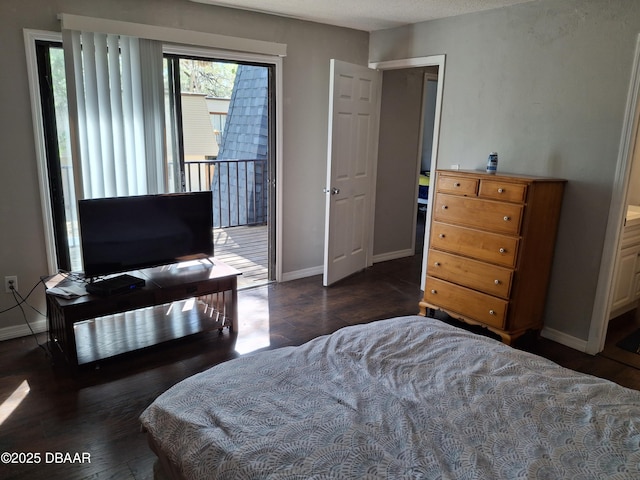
<point x="218" y="135"/>
<point x="221" y="117"/>
<point x="53" y="100"/>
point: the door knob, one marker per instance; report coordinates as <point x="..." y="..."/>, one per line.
<point x="332" y="191"/>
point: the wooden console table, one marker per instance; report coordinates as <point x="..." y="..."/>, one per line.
<point x="177" y="300"/>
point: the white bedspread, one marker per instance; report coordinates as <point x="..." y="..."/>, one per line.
<point x="407" y="397"/>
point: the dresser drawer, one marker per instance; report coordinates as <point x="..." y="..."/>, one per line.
<point x="505" y="191"/>
<point x="470" y="273"/>
<point x="483" y="308"/>
<point x="474" y="212"/>
<point x="457" y="185"/>
<point x="485" y="246"/>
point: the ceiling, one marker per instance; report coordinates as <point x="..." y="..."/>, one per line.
<point x="367" y="15"/>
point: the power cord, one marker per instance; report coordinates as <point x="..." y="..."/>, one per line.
<point x="20" y="300"/>
<point x="24" y="299"/>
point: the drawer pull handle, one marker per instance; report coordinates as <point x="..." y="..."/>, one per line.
<point x="507" y="218"/>
<point x="444" y="207"/>
<point x="497" y="282"/>
<point x="434" y="291"/>
<point x="502" y="250"/>
<point x="501" y="190"/>
<point x="437" y="264"/>
<point x="457" y="184"/>
<point x="441" y="235"/>
<point x="492" y="312"/>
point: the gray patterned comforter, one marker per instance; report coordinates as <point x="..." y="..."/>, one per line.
<point x="407" y="397"/>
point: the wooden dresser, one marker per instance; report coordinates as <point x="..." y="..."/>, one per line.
<point x="491" y="247"/>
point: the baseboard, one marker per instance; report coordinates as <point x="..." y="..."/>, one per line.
<point x="383" y="257"/>
<point x="319" y="270"/>
<point x="564" y="339"/>
<point x="17" y="331"/>
<point x="304" y="273"/>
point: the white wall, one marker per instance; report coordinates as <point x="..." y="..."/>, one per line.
<point x="305" y="111"/>
<point x="544" y="84"/>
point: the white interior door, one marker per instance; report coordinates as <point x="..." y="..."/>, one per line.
<point x="354" y="112"/>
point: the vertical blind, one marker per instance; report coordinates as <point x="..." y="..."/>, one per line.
<point x="116" y="103"/>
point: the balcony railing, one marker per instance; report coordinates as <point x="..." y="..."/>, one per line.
<point x="240" y="193"/>
<point x="239" y="188"/>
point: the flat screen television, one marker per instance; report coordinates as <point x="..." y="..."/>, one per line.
<point x="128" y="233"/>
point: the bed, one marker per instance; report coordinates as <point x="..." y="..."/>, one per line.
<point x="407" y="397"/>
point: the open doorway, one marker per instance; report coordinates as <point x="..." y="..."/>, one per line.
<point x="621" y="340"/>
<point x="406" y="225"/>
<point x="622" y="197"/>
<point x="220" y="114"/>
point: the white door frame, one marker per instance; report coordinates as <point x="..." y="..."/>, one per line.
<point x="430" y="61"/>
<point x="617" y="212"/>
<point x="427" y="77"/>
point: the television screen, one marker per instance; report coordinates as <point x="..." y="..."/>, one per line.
<point x="127" y="233"/>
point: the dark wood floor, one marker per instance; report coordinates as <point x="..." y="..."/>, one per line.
<point x="97" y="412"/>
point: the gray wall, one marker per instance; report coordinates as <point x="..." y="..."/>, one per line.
<point x="398" y="150"/>
<point x="544" y="84"/>
<point x="305" y="105"/>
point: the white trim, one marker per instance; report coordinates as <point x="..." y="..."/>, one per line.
<point x="22" y="330"/>
<point x="174" y="35"/>
<point x="30" y="37"/>
<point x="393" y="255"/>
<point x="604" y="290"/>
<point x="431" y="61"/>
<point x="211" y="52"/>
<point x="564" y="339"/>
<point x="318" y="270"/>
<point x="304" y="273"/>
<point x="427" y="77"/>
<point x="408" y="62"/>
<point x="279" y="180"/>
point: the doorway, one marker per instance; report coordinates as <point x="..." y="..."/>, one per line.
<point x="617" y="211"/>
<point x="219" y="114"/>
<point x="435" y="65"/>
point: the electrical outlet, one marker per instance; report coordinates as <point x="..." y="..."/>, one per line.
<point x="9" y="282"/>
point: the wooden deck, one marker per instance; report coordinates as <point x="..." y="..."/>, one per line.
<point x="245" y="248"/>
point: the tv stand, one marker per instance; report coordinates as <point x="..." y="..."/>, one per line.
<point x="200" y="257"/>
<point x="176" y="301"/>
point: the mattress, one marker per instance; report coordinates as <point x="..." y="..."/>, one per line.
<point x="407" y="397"/>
